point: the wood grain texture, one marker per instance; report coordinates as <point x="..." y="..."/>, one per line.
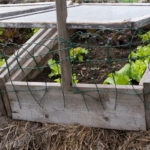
<point x="5" y="99"/>
<point x="129" y="114"/>
<point x="24" y="9"/>
<point x="2" y="107"/>
<point x="146" y="84"/>
<point x="33" y="62"/>
<point x="19" y="58"/>
<point x="12" y="61"/>
<point x="66" y="73"/>
<point x="145" y="76"/>
<point x="85" y="16"/>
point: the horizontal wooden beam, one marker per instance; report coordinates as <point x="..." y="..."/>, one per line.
<point x="83" y="108"/>
<point x="85" y="16"/>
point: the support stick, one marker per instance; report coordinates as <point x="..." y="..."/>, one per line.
<point x="66" y="73"/>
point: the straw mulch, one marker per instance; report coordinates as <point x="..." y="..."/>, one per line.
<point x="19" y="135"/>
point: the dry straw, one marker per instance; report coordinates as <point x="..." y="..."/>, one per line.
<point x="35" y="136"/>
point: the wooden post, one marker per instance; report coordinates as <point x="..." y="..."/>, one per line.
<point x="66" y="73"/>
<point x="5" y="98"/>
<point x="146" y="85"/>
<point x="2" y="108"/>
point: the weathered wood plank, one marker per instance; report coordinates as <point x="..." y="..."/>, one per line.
<point x="66" y="73"/>
<point x="146" y="84"/>
<point x="129" y="113"/>
<point x="85" y="16"/>
<point x="145" y="76"/>
<point x="35" y="60"/>
<point x="5" y="99"/>
<point x="13" y="10"/>
<point x="4" y="74"/>
<point x="21" y="50"/>
<point x="2" y="107"/>
<point x="20" y="57"/>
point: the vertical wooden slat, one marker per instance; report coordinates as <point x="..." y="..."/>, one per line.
<point x="146" y="86"/>
<point x="2" y="107"/>
<point x="147" y="104"/>
<point x="66" y="73"/>
<point x="5" y="97"/>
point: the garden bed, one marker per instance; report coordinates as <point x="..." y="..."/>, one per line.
<point x="8" y="52"/>
<point x="98" y="105"/>
<point x="12" y="63"/>
<point x="94" y="68"/>
<point x="85" y="71"/>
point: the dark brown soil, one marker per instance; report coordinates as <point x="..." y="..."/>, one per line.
<point x="12" y="41"/>
<point x="100" y="61"/>
<point x="92" y="72"/>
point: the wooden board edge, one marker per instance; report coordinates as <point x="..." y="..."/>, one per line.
<point x="2" y="107"/>
<point x="50" y="86"/>
<point x="79" y="85"/>
<point x="21" y="50"/>
<point x="5" y="98"/>
<point x="17" y="75"/>
<point x="145" y="76"/>
<point x="147" y="104"/>
<point x="146" y="86"/>
<point x="26" y="53"/>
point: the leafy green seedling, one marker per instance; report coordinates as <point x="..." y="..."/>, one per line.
<point x="120" y="77"/>
<point x="77" y="53"/>
<point x="35" y="30"/>
<point x="143" y="52"/>
<point x="145" y="37"/>
<point x="1" y="31"/>
<point x="74" y="79"/>
<point x="137" y="69"/>
<point x="56" y="71"/>
<point x="55" y="68"/>
<point x="2" y="61"/>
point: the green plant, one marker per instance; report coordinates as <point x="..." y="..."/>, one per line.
<point x="137" y="69"/>
<point x="74" y="79"/>
<point x="2" y="61"/>
<point x="56" y="72"/>
<point x="145" y="37"/>
<point x="77" y="53"/>
<point x="134" y="71"/>
<point x="35" y="30"/>
<point x="143" y="52"/>
<point x="120" y="77"/>
<point x="55" y="68"/>
<point x="12" y="34"/>
<point x="1" y="31"/>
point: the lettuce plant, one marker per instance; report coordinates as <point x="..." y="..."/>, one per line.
<point x="145" y="37"/>
<point x="77" y="53"/>
<point x="120" y="77"/>
<point x="134" y="71"/>
<point x="137" y="69"/>
<point x="74" y="79"/>
<point x="2" y="61"/>
<point x="55" y="68"/>
<point x="143" y="52"/>
<point x="56" y="72"/>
